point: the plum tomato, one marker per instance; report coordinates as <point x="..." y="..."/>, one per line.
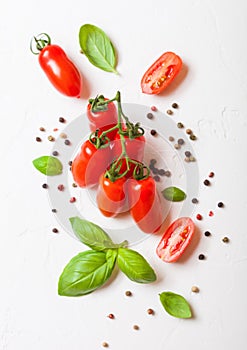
<point x="175" y="239"/>
<point x="161" y="73"/>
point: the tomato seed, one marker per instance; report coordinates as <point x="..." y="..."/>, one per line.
<point x="150" y="311"/>
<point x="153" y="108"/>
<point x="174" y="105"/>
<point x="220" y="205"/>
<point x="38" y="139"/>
<point x="199" y="217"/>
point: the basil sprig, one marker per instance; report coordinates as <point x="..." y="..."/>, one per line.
<point x="90" y="269"/>
<point x="97" y="47"/>
<point x="176" y="305"/>
<point x="48" y="165"/>
<point x="174" y="194"/>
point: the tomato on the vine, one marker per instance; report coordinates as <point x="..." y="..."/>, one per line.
<point x="59" y="69"/>
<point x="111" y="196"/>
<point x="145" y="204"/>
<point x="175" y="239"/>
<point x="90" y="163"/>
<point x="161" y="73"/>
<point x="102" y="116"/>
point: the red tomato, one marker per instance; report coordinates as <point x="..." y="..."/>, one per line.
<point x="111" y="196"/>
<point x="104" y="119"/>
<point x="134" y="149"/>
<point x="175" y="239"/>
<point x="90" y="163"/>
<point x="145" y="205"/>
<point x="60" y="70"/>
<point x="161" y="73"/>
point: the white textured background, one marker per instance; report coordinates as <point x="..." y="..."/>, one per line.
<point x="210" y="36"/>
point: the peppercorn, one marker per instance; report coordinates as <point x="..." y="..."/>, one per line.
<point x="171" y="138"/>
<point x="41" y="128"/>
<point x="177" y="146"/>
<point x="136" y="327"/>
<point x="201" y="256"/>
<point x="55" y="230"/>
<point x="111" y="316"/>
<point x="63" y="135"/>
<point x="67" y="142"/>
<point x="195" y="289"/>
<point x="105" y="344"/>
<point x="180" y="141"/>
<point x="211" y="213"/>
<point x="155" y="170"/>
<point x="72" y="200"/>
<point x="199" y="217"/>
<point x="153" y="108"/>
<point x="128" y="293"/>
<point x="51" y="138"/>
<point x="55" y="153"/>
<point x="74" y="184"/>
<point x="161" y="172"/>
<point x="150" y="115"/>
<point x="211" y="174"/>
<point x="206" y="182"/>
<point x="220" y="205"/>
<point x="62" y="120"/>
<point x="174" y="105"/>
<point x="207" y="233"/>
<point x="225" y="239"/>
<point x="153" y="132"/>
<point x="156" y="178"/>
<point x="150" y="311"/>
<point x="169" y="111"/>
<point x="187" y="159"/>
<point x="167" y="173"/>
<point x="45" y="186"/>
<point x="38" y="139"/>
<point x="60" y="187"/>
<point x="192" y="159"/>
<point x="180" y="125"/>
<point x="188" y="131"/>
<point x="194" y="200"/>
<point x="54" y="210"/>
<point x="187" y="153"/>
<point x="153" y="161"/>
<point x="70" y="162"/>
<point x="193" y="137"/>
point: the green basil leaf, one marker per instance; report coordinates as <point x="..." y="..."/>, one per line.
<point x="174" y="194"/>
<point x="135" y="267"/>
<point x="48" y="165"/>
<point x="98" y="48"/>
<point x="176" y="305"/>
<point x="86" y="272"/>
<point x="92" y="235"/>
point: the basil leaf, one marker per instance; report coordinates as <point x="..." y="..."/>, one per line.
<point x="92" y="235"/>
<point x="174" y="194"/>
<point x="48" y="165"/>
<point x="98" y="48"/>
<point x="135" y="267"/>
<point x="86" y="272"/>
<point x="176" y="305"/>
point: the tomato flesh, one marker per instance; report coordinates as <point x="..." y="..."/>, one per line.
<point x="161" y="73"/>
<point x="175" y="239"/>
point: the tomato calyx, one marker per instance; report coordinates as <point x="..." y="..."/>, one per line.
<point x="99" y="141"/>
<point x="39" y="42"/>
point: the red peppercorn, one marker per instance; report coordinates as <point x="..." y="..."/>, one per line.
<point x="60" y="187"/>
<point x="199" y="217"/>
<point x="72" y="199"/>
<point x="111" y="316"/>
<point x="211" y="174"/>
<point x="153" y="108"/>
<point x="211" y="213"/>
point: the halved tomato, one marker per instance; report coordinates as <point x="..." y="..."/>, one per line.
<point x="161" y="73"/>
<point x="175" y="239"/>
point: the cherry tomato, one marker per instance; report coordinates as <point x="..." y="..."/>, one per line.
<point x="134" y="149"/>
<point x="111" y="196"/>
<point x="90" y="163"/>
<point x="175" y="239"/>
<point x="103" y="119"/>
<point x="145" y="205"/>
<point x="161" y="73"/>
